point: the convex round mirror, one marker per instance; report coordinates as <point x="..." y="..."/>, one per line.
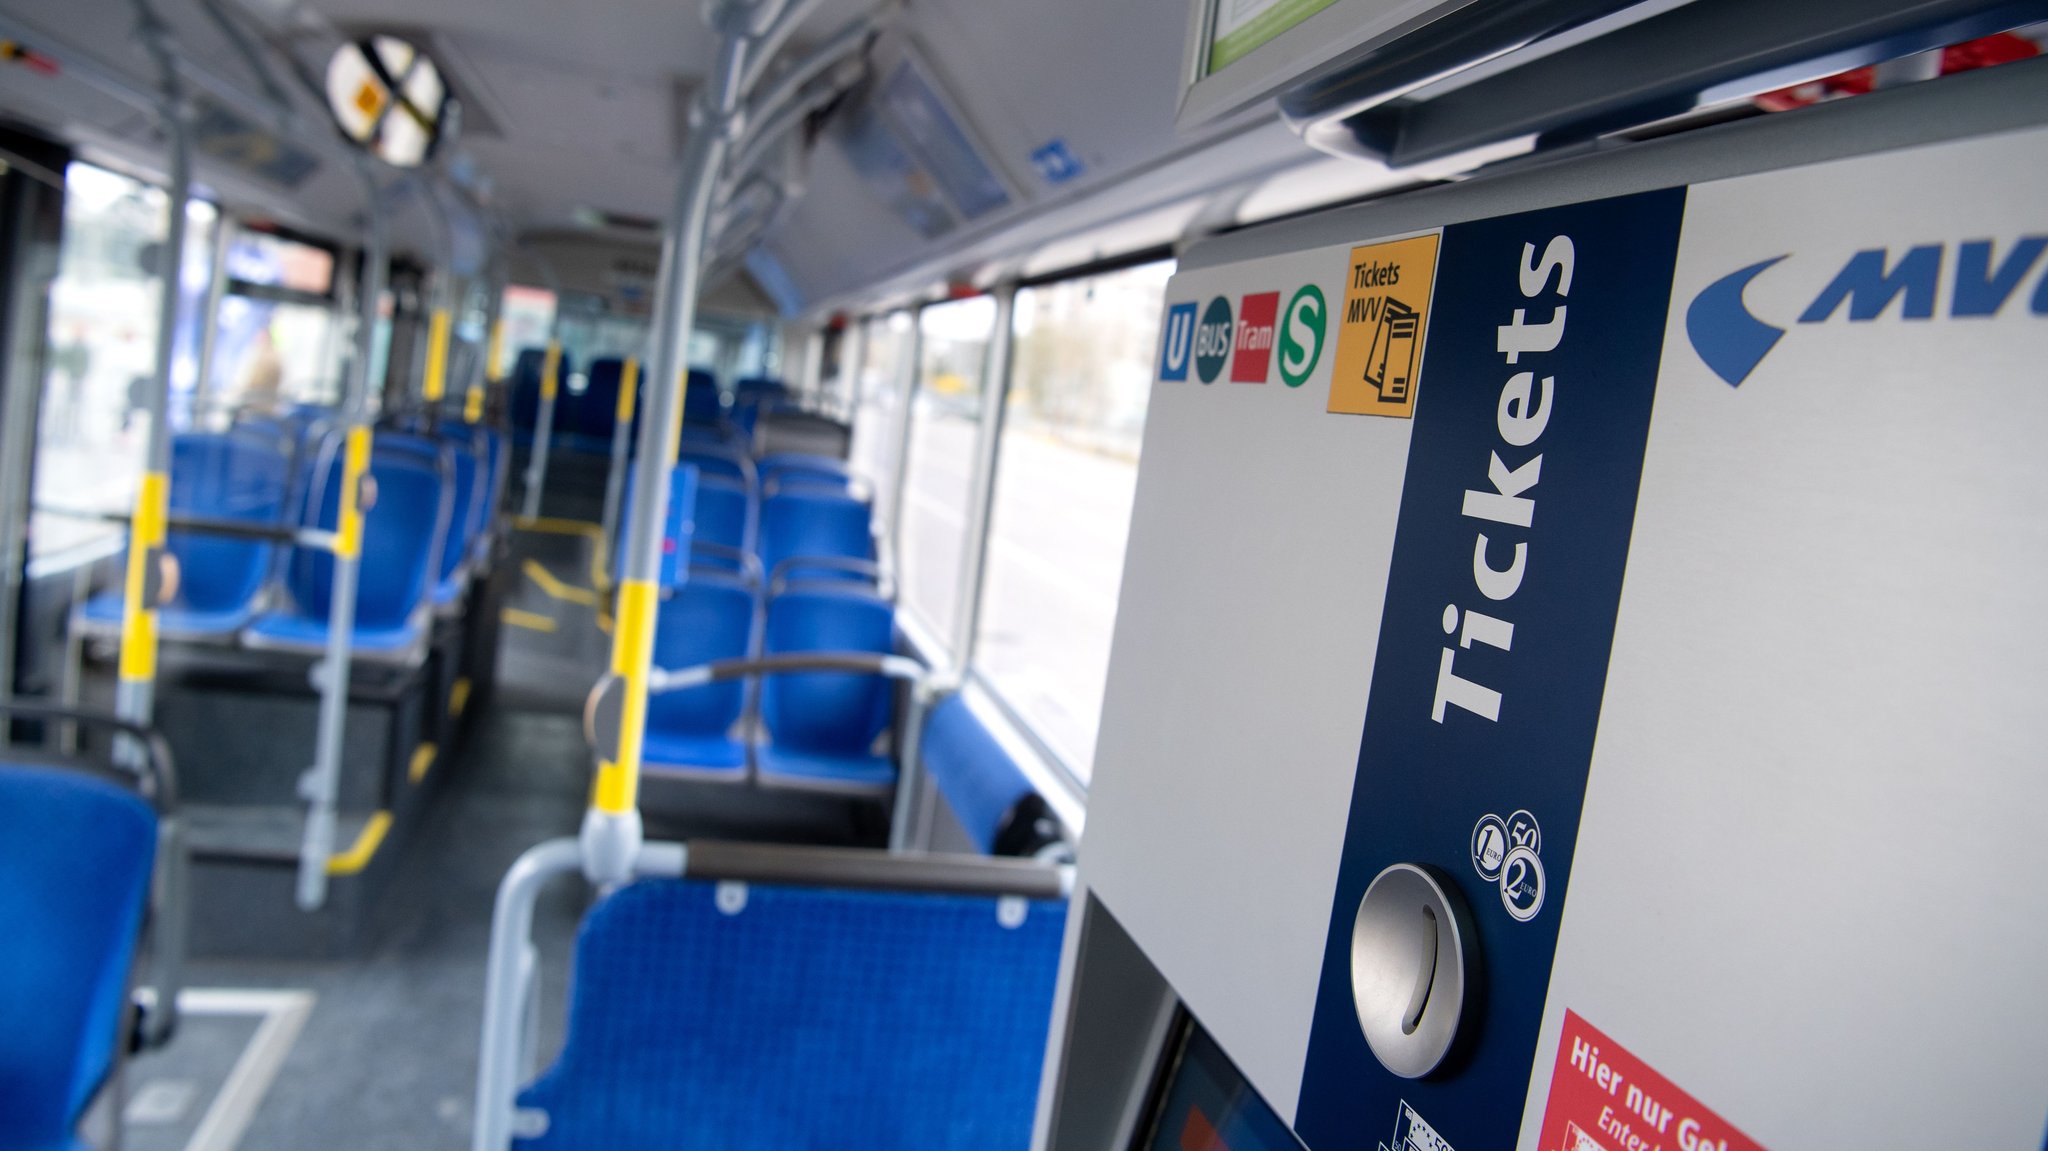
<point x="388" y="96"/>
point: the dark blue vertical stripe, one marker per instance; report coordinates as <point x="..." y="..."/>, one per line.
<point x="1422" y="785"/>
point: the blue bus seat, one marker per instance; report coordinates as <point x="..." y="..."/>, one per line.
<point x="998" y="807"/>
<point x="497" y="459"/>
<point x="445" y="454"/>
<point x="76" y="857"/>
<point x="243" y="477"/>
<point x="819" y="728"/>
<point x="597" y="409"/>
<point x="802" y="472"/>
<point x="806" y="463"/>
<point x="802" y="525"/>
<point x="802" y="1018"/>
<point x="682" y="486"/>
<point x="703" y="407"/>
<point x="725" y="515"/>
<point x="762" y="390"/>
<point x="401" y="535"/>
<point x="716" y="460"/>
<point x="689" y="732"/>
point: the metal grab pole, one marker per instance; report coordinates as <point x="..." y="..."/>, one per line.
<point x="434" y="380"/>
<point x="480" y="376"/>
<point x="611" y="834"/>
<point x="135" y="693"/>
<point x="853" y="350"/>
<point x="615" y="476"/>
<point x="811" y="377"/>
<point x="543" y="430"/>
<point x="321" y="783"/>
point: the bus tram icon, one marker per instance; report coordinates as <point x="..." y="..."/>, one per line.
<point x="1390" y="364"/>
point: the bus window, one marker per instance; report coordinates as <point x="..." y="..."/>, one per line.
<point x="529" y="316"/>
<point x="102" y="348"/>
<point x="276" y="336"/>
<point x="1066" y="469"/>
<point x="938" y="474"/>
<point x="877" y="434"/>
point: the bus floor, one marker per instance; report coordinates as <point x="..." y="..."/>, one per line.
<point x="386" y="1055"/>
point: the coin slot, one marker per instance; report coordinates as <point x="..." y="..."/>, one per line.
<point x="1425" y="978"/>
<point x="1412" y="967"/>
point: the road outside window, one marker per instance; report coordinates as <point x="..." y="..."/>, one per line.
<point x="1066" y="471"/>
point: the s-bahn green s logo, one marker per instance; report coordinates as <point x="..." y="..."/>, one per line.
<point x="1301" y="335"/>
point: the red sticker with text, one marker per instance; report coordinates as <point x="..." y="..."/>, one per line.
<point x="1604" y="1099"/>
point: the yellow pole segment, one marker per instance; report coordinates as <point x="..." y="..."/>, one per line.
<point x="629" y="378"/>
<point x="551" y="371"/>
<point x="435" y="386"/>
<point x="138" y="609"/>
<point x="675" y="425"/>
<point x="473" y="405"/>
<point x="616" y="789"/>
<point x="355" y="462"/>
<point x="495" y="350"/>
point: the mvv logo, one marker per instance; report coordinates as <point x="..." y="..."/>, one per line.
<point x="1732" y="340"/>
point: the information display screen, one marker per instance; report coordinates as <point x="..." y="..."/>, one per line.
<point x="1238" y="26"/>
<point x="1205" y="1105"/>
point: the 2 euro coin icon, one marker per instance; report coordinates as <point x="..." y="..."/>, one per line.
<point x="1521" y="884"/>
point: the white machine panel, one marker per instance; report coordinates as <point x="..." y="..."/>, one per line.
<point x="1661" y="575"/>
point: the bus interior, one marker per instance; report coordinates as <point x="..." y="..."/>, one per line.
<point x="950" y="575"/>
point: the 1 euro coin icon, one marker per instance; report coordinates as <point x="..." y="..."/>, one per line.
<point x="1489" y="846"/>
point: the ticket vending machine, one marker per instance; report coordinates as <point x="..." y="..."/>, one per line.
<point x="1584" y="692"/>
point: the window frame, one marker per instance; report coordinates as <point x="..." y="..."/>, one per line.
<point x="954" y="655"/>
<point x="955" y="648"/>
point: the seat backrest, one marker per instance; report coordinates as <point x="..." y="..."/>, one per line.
<point x="498" y="459"/>
<point x="713" y="461"/>
<point x="725" y="514"/>
<point x="400" y="537"/>
<point x="525" y="387"/>
<point x="75" y="860"/>
<point x="235" y="476"/>
<point x="760" y="388"/>
<point x="710" y="617"/>
<point x="812" y="524"/>
<point x="803" y="463"/>
<point x="702" y="404"/>
<point x="835" y="713"/>
<point x="468" y="452"/>
<point x="803" y="1017"/>
<point x="597" y="409"/>
<point x="677" y="531"/>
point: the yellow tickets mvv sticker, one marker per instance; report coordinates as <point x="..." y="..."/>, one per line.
<point x="1387" y="292"/>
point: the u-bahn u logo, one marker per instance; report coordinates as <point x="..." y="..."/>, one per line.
<point x="1177" y="342"/>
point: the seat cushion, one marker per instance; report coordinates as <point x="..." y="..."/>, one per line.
<point x="815" y="772"/>
<point x="291" y="630"/>
<point x="103" y="612"/>
<point x="701" y="756"/>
